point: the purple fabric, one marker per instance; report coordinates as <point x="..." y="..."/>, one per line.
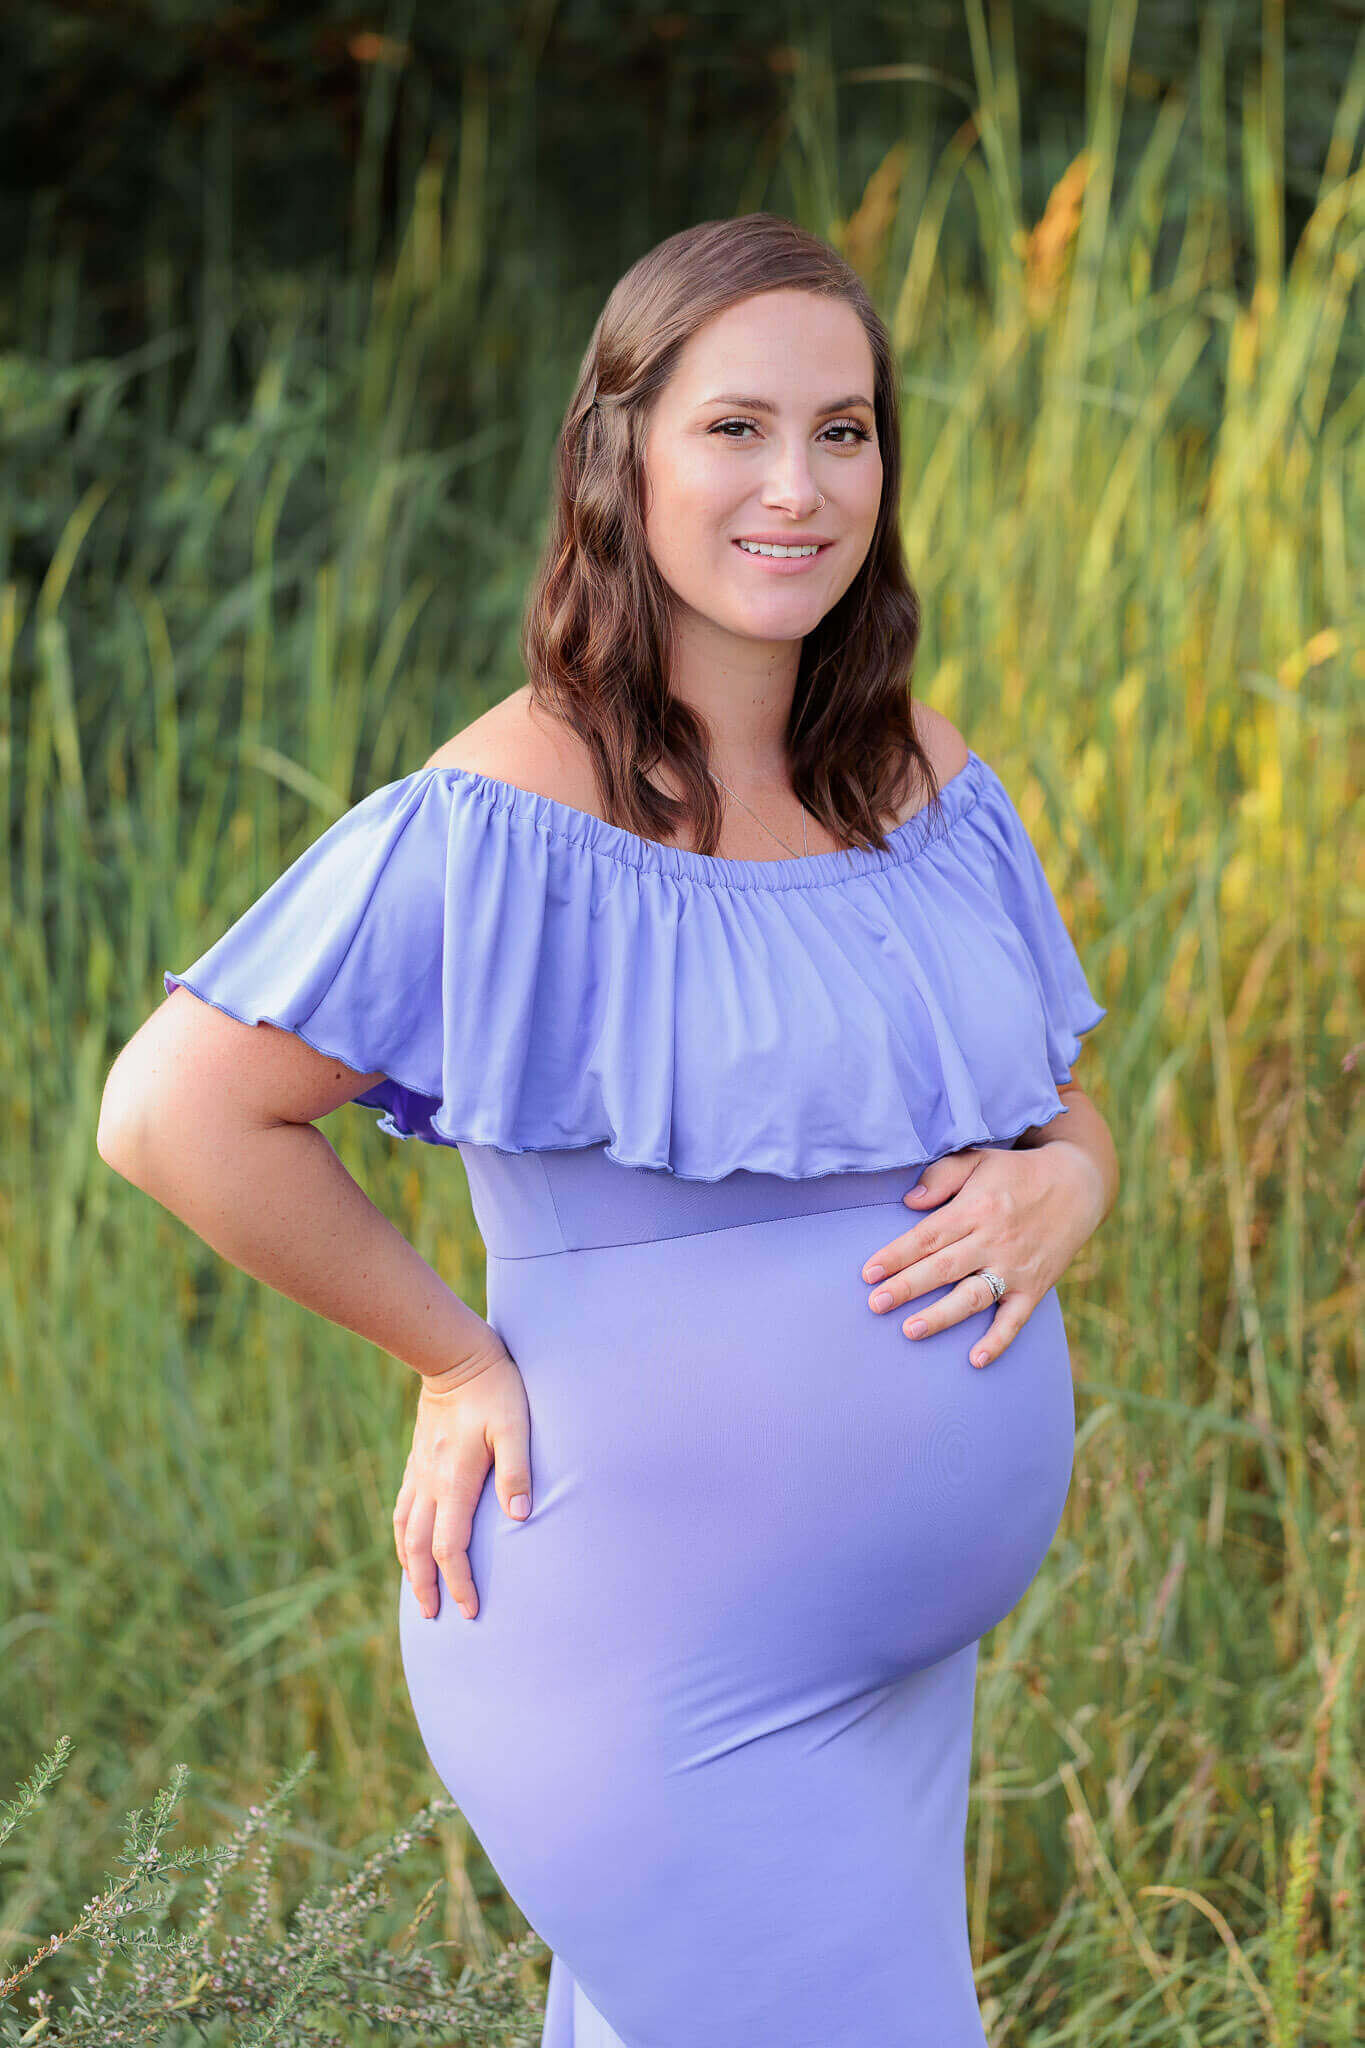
<point x="527" y="976"/>
<point x="713" y="1722"/>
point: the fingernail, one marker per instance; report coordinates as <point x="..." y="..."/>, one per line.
<point x="882" y="1299"/>
<point x="520" y="1504"/>
<point x="915" y="1329"/>
<point x="978" y="1358"/>
<point x="919" y="1189"/>
<point x="874" y="1273"/>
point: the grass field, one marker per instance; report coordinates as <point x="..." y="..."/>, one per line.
<point x="1134" y="508"/>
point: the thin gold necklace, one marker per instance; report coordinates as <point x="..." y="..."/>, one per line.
<point x="805" y="833"/>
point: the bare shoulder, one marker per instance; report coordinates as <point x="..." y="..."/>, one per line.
<point x="515" y="741"/>
<point x="941" y="741"/>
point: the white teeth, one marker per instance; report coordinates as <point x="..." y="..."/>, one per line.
<point x="757" y="547"/>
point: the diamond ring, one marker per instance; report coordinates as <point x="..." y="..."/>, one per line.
<point x="994" y="1282"/>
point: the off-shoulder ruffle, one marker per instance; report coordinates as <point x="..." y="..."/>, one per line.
<point x="527" y="976"/>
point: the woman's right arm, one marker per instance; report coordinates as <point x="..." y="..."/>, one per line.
<point x="214" y="1119"/>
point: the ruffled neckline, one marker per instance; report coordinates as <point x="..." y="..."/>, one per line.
<point x="904" y="842"/>
<point x="524" y="976"/>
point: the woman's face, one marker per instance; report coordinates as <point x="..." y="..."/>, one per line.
<point x="721" y="467"/>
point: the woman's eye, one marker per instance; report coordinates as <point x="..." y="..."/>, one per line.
<point x="835" y="427"/>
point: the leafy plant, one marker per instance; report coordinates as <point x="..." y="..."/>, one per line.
<point x="301" y="1984"/>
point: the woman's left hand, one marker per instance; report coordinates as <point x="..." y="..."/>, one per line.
<point x="1023" y="1213"/>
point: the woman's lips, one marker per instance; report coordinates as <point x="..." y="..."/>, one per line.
<point x="784" y="565"/>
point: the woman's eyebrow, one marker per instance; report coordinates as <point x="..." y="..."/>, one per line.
<point x="766" y="405"/>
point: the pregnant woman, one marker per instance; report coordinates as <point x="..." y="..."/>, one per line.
<point x="736" y="981"/>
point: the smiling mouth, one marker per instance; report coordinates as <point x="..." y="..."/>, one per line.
<point x="786" y="551"/>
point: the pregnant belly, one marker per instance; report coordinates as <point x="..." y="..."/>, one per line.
<point x="740" y="1471"/>
<point x="764" y="1522"/>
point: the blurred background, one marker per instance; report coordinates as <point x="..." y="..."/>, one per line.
<point x="293" y="301"/>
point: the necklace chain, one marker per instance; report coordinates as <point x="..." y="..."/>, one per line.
<point x="805" y="834"/>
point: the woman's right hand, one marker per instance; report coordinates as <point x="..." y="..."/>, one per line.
<point x="472" y="1416"/>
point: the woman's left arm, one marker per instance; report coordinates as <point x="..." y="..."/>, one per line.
<point x="1024" y="1213"/>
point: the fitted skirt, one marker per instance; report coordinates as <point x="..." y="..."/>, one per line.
<point x="712" y="1724"/>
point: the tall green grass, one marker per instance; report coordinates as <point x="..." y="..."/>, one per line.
<point x="1133" y="508"/>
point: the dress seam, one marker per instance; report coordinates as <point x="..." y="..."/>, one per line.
<point x="711" y="1230"/>
<point x="937" y="830"/>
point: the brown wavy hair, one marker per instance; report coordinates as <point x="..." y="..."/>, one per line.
<point x="597" y="634"/>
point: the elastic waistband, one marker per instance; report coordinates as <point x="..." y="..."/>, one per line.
<point x="532" y="1204"/>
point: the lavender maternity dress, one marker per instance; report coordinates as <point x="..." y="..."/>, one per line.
<point x="713" y="1721"/>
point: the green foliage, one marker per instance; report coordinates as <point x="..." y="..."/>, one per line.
<point x="326" y="1966"/>
<point x="315" y="119"/>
